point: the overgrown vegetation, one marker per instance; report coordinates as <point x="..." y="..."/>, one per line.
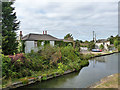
<point x="102" y="46"/>
<point x="91" y="46"/>
<point x="52" y="59"/>
<point x="116" y="41"/>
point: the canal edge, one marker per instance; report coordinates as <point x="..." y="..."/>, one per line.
<point x="101" y="81"/>
<point x="32" y="81"/>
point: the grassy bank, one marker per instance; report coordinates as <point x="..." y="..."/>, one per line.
<point x="47" y="61"/>
<point x="108" y="82"/>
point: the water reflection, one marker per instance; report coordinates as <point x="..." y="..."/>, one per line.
<point x="100" y="59"/>
<point x="97" y="60"/>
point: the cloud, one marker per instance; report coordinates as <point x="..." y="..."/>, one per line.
<point x="60" y="18"/>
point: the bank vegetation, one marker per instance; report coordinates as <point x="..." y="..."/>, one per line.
<point x="47" y="61"/>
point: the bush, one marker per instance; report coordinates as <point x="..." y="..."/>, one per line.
<point x="118" y="48"/>
<point x="7" y="66"/>
<point x="47" y="51"/>
<point x="60" y="68"/>
<point x="44" y="77"/>
<point x="102" y="46"/>
<point x="48" y="58"/>
<point x="91" y="46"/>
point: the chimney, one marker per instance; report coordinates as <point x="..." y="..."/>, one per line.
<point x="20" y="35"/>
<point x="43" y="32"/>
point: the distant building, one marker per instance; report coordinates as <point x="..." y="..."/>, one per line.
<point x="103" y="42"/>
<point x="31" y="41"/>
<point x="84" y="46"/>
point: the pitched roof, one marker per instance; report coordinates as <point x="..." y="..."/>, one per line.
<point x="64" y="40"/>
<point x="102" y="40"/>
<point x="84" y="44"/>
<point x="45" y="37"/>
<point x="32" y="36"/>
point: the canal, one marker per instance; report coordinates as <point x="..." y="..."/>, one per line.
<point x="97" y="69"/>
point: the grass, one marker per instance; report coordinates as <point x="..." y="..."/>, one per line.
<point x="8" y="82"/>
<point x="108" y="82"/>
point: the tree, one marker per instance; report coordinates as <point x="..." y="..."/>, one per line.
<point x="111" y="39"/>
<point x="86" y="41"/>
<point x="118" y="48"/>
<point x="116" y="43"/>
<point x="68" y="37"/>
<point x="91" y="46"/>
<point x="77" y="44"/>
<point x="102" y="46"/>
<point x="81" y="41"/>
<point x="10" y="25"/>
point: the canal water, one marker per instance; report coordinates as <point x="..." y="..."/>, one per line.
<point x="97" y="69"/>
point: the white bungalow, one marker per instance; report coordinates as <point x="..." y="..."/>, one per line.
<point x="31" y="41"/>
<point x="103" y="42"/>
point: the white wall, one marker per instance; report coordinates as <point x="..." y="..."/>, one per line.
<point x="83" y="48"/>
<point x="52" y="43"/>
<point x="29" y="45"/>
<point x="105" y="45"/>
<point x="98" y="44"/>
<point x="42" y="43"/>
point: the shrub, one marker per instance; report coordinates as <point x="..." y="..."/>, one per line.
<point x="56" y="57"/>
<point x="47" y="51"/>
<point x="91" y="46"/>
<point x="84" y="63"/>
<point x="6" y="66"/>
<point x="60" y="68"/>
<point x="44" y="77"/>
<point x="118" y="48"/>
<point x="102" y="46"/>
<point x="47" y="59"/>
<point x="25" y="81"/>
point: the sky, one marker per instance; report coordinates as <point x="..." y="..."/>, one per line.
<point x="60" y="17"/>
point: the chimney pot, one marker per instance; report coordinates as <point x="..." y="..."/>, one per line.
<point x="20" y="33"/>
<point x="45" y="32"/>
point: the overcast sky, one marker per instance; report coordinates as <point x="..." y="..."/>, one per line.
<point x="62" y="17"/>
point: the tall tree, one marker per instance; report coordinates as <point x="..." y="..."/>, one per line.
<point x="111" y="39"/>
<point x="10" y="25"/>
<point x="68" y="37"/>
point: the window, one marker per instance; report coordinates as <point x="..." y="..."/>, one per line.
<point x="42" y="43"/>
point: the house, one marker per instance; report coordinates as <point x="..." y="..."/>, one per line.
<point x="111" y="47"/>
<point x="103" y="42"/>
<point x="84" y="46"/>
<point x="37" y="41"/>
